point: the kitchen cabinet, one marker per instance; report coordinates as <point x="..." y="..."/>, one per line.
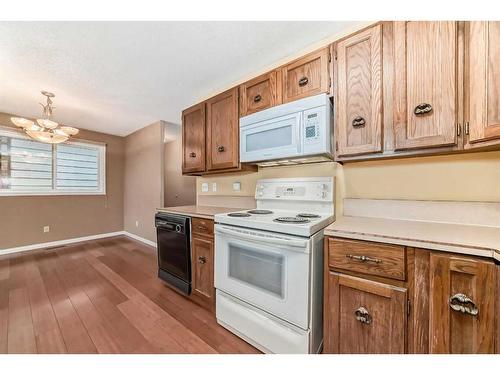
<point x="425" y="68"/>
<point x="223" y="131"/>
<point x="483" y="83"/>
<point x="202" y="263"/>
<point x="307" y="76"/>
<point x="416" y="301"/>
<point x="358" y="93"/>
<point x="462" y="304"/>
<point x="260" y="93"/>
<point x="193" y="139"/>
<point x="364" y="316"/>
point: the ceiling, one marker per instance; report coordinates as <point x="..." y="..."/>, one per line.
<point x="117" y="77"/>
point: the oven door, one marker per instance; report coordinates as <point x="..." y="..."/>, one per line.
<point x="265" y="270"/>
<point x="271" y="139"/>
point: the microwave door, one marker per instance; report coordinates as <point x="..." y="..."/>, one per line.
<point x="276" y="138"/>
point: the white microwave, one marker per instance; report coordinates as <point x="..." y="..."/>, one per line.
<point x="291" y="133"/>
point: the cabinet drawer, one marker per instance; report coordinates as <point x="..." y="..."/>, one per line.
<point x="202" y="226"/>
<point x="307" y="76"/>
<point x="367" y="257"/>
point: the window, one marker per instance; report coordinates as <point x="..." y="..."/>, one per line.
<point x="29" y="167"/>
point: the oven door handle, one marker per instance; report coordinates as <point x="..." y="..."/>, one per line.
<point x="267" y="240"/>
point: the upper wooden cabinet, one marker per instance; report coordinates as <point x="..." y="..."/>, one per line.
<point x="358" y="93"/>
<point x="483" y="81"/>
<point x="306" y="76"/>
<point x="260" y="93"/>
<point x="193" y="139"/>
<point x="425" y="84"/>
<point x="462" y="304"/>
<point x="223" y="131"/>
<point x="364" y="317"/>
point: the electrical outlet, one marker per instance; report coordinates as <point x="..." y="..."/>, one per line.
<point x="46" y="229"/>
<point x="204" y="187"/>
<point x="137" y="223"/>
<point x="237" y="186"/>
<point x="214" y="187"/>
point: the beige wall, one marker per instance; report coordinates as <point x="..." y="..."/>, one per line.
<point x="462" y="177"/>
<point x="143" y="180"/>
<point x="22" y="218"/>
<point x="178" y="190"/>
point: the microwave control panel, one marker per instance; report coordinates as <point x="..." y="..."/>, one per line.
<point x="311" y="127"/>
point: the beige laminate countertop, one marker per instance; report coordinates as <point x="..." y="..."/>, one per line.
<point x="458" y="238"/>
<point x="204" y="212"/>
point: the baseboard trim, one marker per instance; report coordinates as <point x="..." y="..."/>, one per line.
<point x="141" y="239"/>
<point x="43" y="245"/>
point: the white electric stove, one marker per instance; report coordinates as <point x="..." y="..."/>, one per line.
<point x="269" y="265"/>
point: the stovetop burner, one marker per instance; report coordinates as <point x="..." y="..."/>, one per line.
<point x="291" y="220"/>
<point x="239" y="214"/>
<point x="308" y="216"/>
<point x="260" y="212"/>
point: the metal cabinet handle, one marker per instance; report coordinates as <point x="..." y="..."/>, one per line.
<point x="202" y="260"/>
<point x="461" y="303"/>
<point x="362" y="315"/>
<point x="303" y="81"/>
<point x="220" y="148"/>
<point x="192" y="154"/>
<point x="358" y="122"/>
<point x="200" y="227"/>
<point x="363" y="258"/>
<point x="257" y="98"/>
<point x="422" y="109"/>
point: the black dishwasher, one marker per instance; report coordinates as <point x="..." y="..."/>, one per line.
<point x="174" y="251"/>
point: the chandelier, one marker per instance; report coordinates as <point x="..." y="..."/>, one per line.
<point x="45" y="130"/>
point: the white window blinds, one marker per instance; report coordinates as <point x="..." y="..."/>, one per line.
<point x="31" y="168"/>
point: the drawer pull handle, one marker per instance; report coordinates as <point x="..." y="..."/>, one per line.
<point x="461" y="303"/>
<point x="303" y="81"/>
<point x="202" y="260"/>
<point x="220" y="148"/>
<point x="358" y="122"/>
<point x="363" y="258"/>
<point x="200" y="227"/>
<point x="362" y="315"/>
<point x="192" y="154"/>
<point x="422" y="109"/>
<point x="257" y="98"/>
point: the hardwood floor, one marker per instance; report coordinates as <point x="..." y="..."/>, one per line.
<point x="101" y="296"/>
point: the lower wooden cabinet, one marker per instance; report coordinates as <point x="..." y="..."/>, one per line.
<point x="461" y="305"/>
<point x="364" y="316"/>
<point x="444" y="303"/>
<point x="202" y="267"/>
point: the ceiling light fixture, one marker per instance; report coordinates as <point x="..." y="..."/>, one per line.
<point x="45" y="130"/>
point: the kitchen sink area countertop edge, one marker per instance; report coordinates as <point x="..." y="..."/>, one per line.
<point x="204" y="212"/>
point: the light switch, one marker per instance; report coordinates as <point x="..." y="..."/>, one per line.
<point x="214" y="186"/>
<point x="204" y="187"/>
<point x="236" y="186"/>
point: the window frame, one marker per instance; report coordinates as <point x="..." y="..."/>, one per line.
<point x="101" y="147"/>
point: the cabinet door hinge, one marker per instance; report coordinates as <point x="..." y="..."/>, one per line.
<point x="466" y="130"/>
<point x="336" y="145"/>
<point x="459" y="130"/>
<point x="408" y="307"/>
<point x="329" y="56"/>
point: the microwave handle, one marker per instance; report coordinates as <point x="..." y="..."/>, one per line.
<point x="267" y="240"/>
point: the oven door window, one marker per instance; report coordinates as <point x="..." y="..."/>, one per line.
<point x="262" y="270"/>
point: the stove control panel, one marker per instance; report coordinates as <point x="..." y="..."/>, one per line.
<point x="306" y="189"/>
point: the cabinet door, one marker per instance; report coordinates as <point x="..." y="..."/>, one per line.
<point x="359" y="93"/>
<point x="425" y="84"/>
<point x="260" y="93"/>
<point x="363" y="316"/>
<point x="483" y="81"/>
<point x="462" y="304"/>
<point x="223" y="131"/>
<point x="203" y="270"/>
<point x="193" y="139"/>
<point x="307" y="76"/>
